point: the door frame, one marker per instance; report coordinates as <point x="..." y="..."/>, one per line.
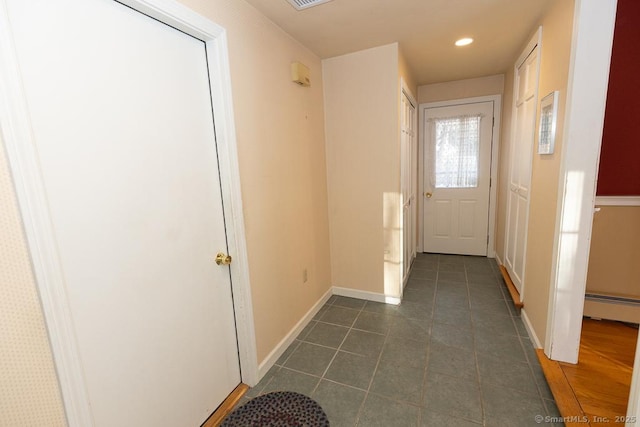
<point x="591" y="46"/>
<point x="495" y="149"/>
<point x="21" y="153"/>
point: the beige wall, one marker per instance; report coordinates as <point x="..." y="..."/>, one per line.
<point x="280" y="133"/>
<point x="406" y="74"/>
<point x="363" y="165"/>
<point x="469" y="88"/>
<point x="615" y="251"/>
<point x="29" y="394"/>
<point x="557" y="28"/>
<point x="557" y="25"/>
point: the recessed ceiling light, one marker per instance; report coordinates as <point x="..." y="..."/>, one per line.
<point x="465" y="41"/>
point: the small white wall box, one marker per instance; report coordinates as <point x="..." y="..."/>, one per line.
<point x="300" y="74"/>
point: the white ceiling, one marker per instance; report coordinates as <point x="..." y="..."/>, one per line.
<point x="425" y="29"/>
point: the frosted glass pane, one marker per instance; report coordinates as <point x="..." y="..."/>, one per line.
<point x="457" y="151"/>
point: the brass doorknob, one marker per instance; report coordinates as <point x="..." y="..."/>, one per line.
<point x="223" y="259"/>
<point x="428" y="195"/>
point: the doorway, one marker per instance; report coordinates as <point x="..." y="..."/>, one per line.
<point x="120" y="176"/>
<point x="458" y="147"/>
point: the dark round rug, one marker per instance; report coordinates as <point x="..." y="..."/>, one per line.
<point x="278" y="409"/>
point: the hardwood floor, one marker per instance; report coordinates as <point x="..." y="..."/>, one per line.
<point x="602" y="378"/>
<point x="226" y="407"/>
<point x="563" y="394"/>
<point x="515" y="295"/>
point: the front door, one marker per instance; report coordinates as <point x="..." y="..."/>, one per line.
<point x="457" y="173"/>
<point x="122" y="119"/>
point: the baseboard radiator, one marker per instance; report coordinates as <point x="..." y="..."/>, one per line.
<point x="612" y="307"/>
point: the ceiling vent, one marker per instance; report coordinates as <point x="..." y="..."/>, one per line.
<point x="305" y="4"/>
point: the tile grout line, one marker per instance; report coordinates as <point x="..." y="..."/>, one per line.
<point x="475" y="356"/>
<point x="428" y="355"/>
<point x="338" y="350"/>
<point x="373" y="375"/>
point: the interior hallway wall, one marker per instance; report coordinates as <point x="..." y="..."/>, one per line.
<point x="557" y="26"/>
<point x="458" y="89"/>
<point x="407" y="74"/>
<point x="363" y="167"/>
<point x="620" y="152"/>
<point x="615" y="250"/>
<point x="557" y="31"/>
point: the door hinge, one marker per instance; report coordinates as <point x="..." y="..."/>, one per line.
<point x="487" y="239"/>
<point x="493" y="122"/>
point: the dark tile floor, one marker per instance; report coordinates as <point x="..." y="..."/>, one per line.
<point x="454" y="353"/>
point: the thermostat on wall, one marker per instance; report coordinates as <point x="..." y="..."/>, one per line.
<point x="300" y="74"/>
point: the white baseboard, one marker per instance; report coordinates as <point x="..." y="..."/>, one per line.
<point x="275" y="354"/>
<point x="369" y="296"/>
<point x="529" y="328"/>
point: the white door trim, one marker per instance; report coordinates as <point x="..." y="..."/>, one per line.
<point x="16" y="132"/>
<point x="495" y="148"/>
<point x="592" y="40"/>
<point x="405" y="88"/>
<point x="536" y="40"/>
<point x="633" y="411"/>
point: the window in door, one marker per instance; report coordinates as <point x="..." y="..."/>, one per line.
<point x="456" y="146"/>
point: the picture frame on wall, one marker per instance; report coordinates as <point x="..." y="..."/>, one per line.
<point x="548" y="119"/>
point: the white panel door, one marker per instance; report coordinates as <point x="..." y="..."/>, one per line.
<point x="457" y="175"/>
<point x="122" y="119"/>
<point x="408" y="167"/>
<point x="526" y="85"/>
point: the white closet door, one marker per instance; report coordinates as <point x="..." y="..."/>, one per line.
<point x="122" y="119"/>
<point x="526" y="85"/>
<point x="408" y="150"/>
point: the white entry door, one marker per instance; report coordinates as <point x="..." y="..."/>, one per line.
<point x="122" y="120"/>
<point x="457" y="175"/>
<point x="525" y="94"/>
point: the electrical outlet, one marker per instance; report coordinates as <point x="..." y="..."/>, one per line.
<point x="305" y="276"/>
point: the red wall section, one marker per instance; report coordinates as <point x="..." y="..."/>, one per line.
<point x="619" y="173"/>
